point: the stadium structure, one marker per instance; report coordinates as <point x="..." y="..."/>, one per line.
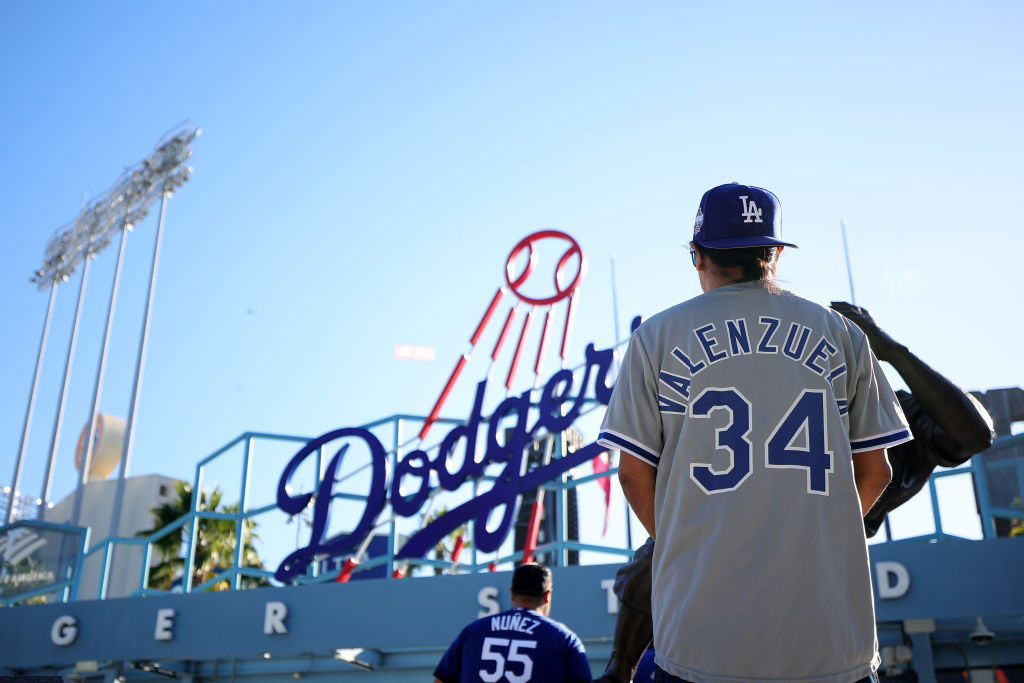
<point x="407" y="528"/>
<point x="945" y="605"/>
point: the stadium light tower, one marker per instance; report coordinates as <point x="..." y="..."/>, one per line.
<point x="125" y="205"/>
<point x="63" y="252"/>
<point x="156" y="176"/>
<point x="169" y="182"/>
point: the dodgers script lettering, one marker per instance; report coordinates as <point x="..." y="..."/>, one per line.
<point x="415" y="468"/>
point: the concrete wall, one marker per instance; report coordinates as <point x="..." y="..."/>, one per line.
<point x="403" y="626"/>
<point x="140" y="494"/>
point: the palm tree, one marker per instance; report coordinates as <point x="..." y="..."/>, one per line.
<point x="215" y="541"/>
<point x="249" y="556"/>
<point x="441" y="549"/>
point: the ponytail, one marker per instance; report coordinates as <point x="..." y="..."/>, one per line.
<point x="756" y="264"/>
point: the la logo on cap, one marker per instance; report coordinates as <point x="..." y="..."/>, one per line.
<point x="751" y="213"/>
<point x="735" y="216"/>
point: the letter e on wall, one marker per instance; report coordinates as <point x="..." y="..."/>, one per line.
<point x="164" y="624"/>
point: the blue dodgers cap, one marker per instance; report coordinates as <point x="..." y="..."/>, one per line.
<point x="734" y="216"/>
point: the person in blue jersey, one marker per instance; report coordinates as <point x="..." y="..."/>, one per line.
<point x="645" y="668"/>
<point x="519" y="645"/>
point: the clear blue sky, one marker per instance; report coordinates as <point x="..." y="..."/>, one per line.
<point x="365" y="168"/>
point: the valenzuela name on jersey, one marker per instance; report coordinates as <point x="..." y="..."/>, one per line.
<point x="738" y="337"/>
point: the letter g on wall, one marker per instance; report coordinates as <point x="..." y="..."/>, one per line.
<point x="64" y="630"/>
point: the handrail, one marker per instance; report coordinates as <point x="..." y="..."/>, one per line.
<point x="981" y="467"/>
<point x="68" y="588"/>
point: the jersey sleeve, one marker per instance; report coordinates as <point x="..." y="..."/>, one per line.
<point x="876" y="418"/>
<point x="448" y="668"/>
<point x="632" y="423"/>
<point x="577" y="668"/>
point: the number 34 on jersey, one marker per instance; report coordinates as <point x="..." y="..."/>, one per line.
<point x="797" y="441"/>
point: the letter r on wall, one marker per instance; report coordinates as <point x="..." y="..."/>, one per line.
<point x="273" y="621"/>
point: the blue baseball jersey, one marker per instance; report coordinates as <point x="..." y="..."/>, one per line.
<point x="517" y="646"/>
<point x="645" y="668"/>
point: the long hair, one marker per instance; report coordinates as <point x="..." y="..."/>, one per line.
<point x="755" y="263"/>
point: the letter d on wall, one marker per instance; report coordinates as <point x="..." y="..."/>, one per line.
<point x="893" y="580"/>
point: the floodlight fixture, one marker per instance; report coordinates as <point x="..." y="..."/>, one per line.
<point x="122" y="207"/>
<point x="125" y="205"/>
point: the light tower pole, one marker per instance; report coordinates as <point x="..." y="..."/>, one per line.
<point x="13" y="498"/>
<point x="123" y="206"/>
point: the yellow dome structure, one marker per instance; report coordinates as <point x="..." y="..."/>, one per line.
<point x="108" y="444"/>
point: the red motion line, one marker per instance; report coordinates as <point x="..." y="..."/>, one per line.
<point x="346" y="570"/>
<point x="543" y="343"/>
<point x="457" y="550"/>
<point x="533" y="528"/>
<point x="436" y="411"/>
<point x="504" y="333"/>
<point x="570" y="315"/>
<point x="519" y="351"/>
<point x="429" y="422"/>
<point x="487" y="317"/>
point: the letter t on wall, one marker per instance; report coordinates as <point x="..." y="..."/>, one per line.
<point x="613" y="600"/>
<point x="273" y="621"/>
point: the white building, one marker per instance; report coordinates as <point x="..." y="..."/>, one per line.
<point x="141" y="494"/>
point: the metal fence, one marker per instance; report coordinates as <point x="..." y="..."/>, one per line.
<point x="997" y="475"/>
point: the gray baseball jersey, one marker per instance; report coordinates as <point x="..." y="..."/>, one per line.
<point x="750" y="405"/>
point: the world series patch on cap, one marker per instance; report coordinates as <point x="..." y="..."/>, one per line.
<point x="733" y="216"/>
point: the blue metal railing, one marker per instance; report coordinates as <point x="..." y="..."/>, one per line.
<point x="71" y="572"/>
<point x="1005" y="459"/>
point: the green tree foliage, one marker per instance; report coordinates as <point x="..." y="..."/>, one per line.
<point x="445" y="548"/>
<point x="1016" y="525"/>
<point x="215" y="541"/>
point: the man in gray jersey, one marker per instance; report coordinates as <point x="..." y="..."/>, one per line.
<point x="949" y="426"/>
<point x="757" y="422"/>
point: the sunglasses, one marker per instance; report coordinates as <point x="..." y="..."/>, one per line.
<point x="693" y="256"/>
